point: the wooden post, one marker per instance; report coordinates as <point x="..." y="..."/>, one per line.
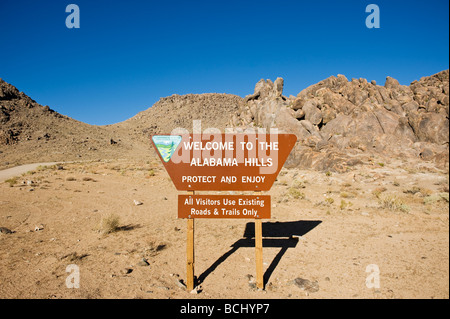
<point x="259" y="252"/>
<point x="190" y="253"/>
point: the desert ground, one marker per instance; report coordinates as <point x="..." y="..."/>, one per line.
<point x="326" y="230"/>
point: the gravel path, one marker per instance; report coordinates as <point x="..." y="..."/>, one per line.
<point x="18" y="170"/>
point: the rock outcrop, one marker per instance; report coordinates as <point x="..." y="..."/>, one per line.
<point x="337" y="120"/>
<point x="30" y="133"/>
<point x="339" y="123"/>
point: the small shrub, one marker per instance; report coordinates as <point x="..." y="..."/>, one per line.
<point x="283" y="182"/>
<point x="109" y="224"/>
<point x="298" y="184"/>
<point x="295" y="193"/>
<point x="72" y="257"/>
<point x="344" y="195"/>
<point x="347" y="195"/>
<point x="12" y="181"/>
<point x="377" y="191"/>
<point x="435" y="198"/>
<point x="153" y="247"/>
<point x="412" y="191"/>
<point x="393" y="203"/>
<point x="415" y="190"/>
<point x="71" y="179"/>
<point x="345" y="204"/>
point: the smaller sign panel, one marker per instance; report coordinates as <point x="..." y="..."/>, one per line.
<point x="224" y="206"/>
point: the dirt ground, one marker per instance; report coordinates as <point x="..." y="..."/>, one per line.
<point x="326" y="228"/>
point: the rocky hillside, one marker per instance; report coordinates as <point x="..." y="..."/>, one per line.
<point x="341" y="123"/>
<point x="30" y="132"/>
<point x="213" y="109"/>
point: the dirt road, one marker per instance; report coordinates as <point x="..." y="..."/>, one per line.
<point x="18" y="170"/>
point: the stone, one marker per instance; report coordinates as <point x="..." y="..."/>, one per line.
<point x="266" y="89"/>
<point x="278" y="87"/>
<point x="299" y="114"/>
<point x="430" y="127"/>
<point x="426" y="154"/>
<point x="308" y="126"/>
<point x="252" y="285"/>
<point x="180" y="283"/>
<point x="404" y="131"/>
<point x="391" y="83"/>
<point x="312" y="113"/>
<point x="143" y="263"/>
<point x="306" y="285"/>
<point x="298" y="104"/>
<point x="127" y="271"/>
<point x="4" y="230"/>
<point x="328" y="114"/>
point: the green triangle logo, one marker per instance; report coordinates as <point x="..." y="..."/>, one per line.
<point x="166" y="145"/>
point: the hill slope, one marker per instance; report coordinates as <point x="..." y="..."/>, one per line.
<point x="339" y="123"/>
<point x="30" y="132"/>
<point x="179" y="111"/>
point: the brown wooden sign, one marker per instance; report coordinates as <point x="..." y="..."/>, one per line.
<point x="224" y="206"/>
<point x="223" y="162"/>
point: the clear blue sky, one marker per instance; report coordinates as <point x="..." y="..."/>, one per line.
<point x="128" y="54"/>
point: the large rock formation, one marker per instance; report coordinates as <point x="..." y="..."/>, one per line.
<point x="339" y="123"/>
<point x="337" y="120"/>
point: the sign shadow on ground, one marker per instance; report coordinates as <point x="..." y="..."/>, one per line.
<point x="282" y="235"/>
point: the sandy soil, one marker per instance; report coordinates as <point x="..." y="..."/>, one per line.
<point x="326" y="228"/>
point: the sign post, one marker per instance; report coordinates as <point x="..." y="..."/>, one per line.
<point x="259" y="253"/>
<point x="223" y="162"/>
<point x="190" y="253"/>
